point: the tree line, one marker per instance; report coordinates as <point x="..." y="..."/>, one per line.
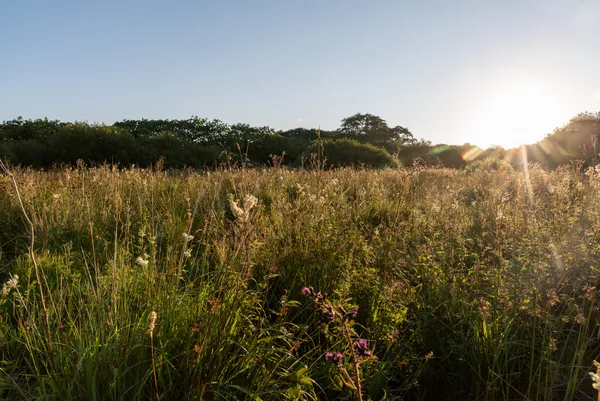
<point x="361" y="139"/>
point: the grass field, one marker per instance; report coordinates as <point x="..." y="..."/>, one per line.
<point x="407" y="284"/>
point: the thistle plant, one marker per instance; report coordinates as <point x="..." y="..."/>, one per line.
<point x="341" y="320"/>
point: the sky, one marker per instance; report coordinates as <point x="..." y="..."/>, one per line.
<point x="483" y="72"/>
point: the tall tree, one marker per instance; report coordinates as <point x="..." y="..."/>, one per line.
<point x="375" y="130"/>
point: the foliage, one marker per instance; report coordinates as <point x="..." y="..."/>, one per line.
<point x="349" y="152"/>
<point x="94" y="144"/>
<point x="201" y="143"/>
<point x="368" y="128"/>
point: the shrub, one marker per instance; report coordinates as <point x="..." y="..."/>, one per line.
<point x="349" y="152"/>
<point x="175" y="152"/>
<point x="92" y="144"/>
<point x="30" y="152"/>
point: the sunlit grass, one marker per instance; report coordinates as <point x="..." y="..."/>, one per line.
<point x="475" y="283"/>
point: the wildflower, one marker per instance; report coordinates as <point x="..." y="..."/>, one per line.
<point x="249" y="202"/>
<point x="141" y="261"/>
<point x="580" y="318"/>
<point x="187" y="253"/>
<point x="9" y="285"/>
<point x="499" y="215"/>
<point x="352" y="313"/>
<point x="327" y="316"/>
<point x="590" y="292"/>
<point x="361" y="348"/>
<point x="242" y="214"/>
<point x="337" y="357"/>
<point x="552" y="345"/>
<point x="306" y="291"/>
<point x="553" y="297"/>
<point x="596" y="376"/>
<point x="429" y="356"/>
<point x="238" y="212"/>
<point x="187" y="237"/>
<point x="151" y="322"/>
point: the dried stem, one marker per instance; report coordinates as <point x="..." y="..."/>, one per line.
<point x="355" y="361"/>
<point x="151" y="325"/>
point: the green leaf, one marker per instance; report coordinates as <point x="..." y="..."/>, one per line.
<point x="294" y="392"/>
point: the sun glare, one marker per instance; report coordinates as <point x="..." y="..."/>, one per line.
<point x="516" y="114"/>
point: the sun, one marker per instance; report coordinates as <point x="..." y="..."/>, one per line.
<point x="514" y="114"/>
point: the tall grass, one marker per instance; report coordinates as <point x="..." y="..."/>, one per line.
<point x="178" y="285"/>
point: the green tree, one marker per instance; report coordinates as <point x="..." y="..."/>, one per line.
<point x="368" y="128"/>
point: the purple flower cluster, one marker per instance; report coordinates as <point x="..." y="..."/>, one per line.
<point x="337" y="357"/>
<point x="307" y="291"/>
<point x="362" y="349"/>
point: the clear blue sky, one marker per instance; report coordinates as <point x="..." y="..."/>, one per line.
<point x="432" y="66"/>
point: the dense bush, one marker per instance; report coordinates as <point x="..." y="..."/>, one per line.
<point x="174" y="152"/>
<point x="31" y="152"/>
<point x="92" y="144"/>
<point x="349" y="152"/>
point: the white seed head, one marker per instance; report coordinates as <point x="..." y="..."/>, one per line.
<point x="9" y="285"/>
<point x="596" y="377"/>
<point x="238" y="212"/>
<point x="141" y="261"/>
<point x="152" y="322"/>
<point x="249" y="202"/>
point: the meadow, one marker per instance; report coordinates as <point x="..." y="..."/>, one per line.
<point x="272" y="284"/>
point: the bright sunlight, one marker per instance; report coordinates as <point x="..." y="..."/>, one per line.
<point x="515" y="114"/>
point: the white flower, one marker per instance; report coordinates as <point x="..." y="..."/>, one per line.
<point x="9" y="285"/>
<point x="596" y="376"/>
<point x="187" y="253"/>
<point x="242" y="214"/>
<point x="249" y="202"/>
<point x="238" y="212"/>
<point x="141" y="261"/>
<point x="187" y="237"/>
